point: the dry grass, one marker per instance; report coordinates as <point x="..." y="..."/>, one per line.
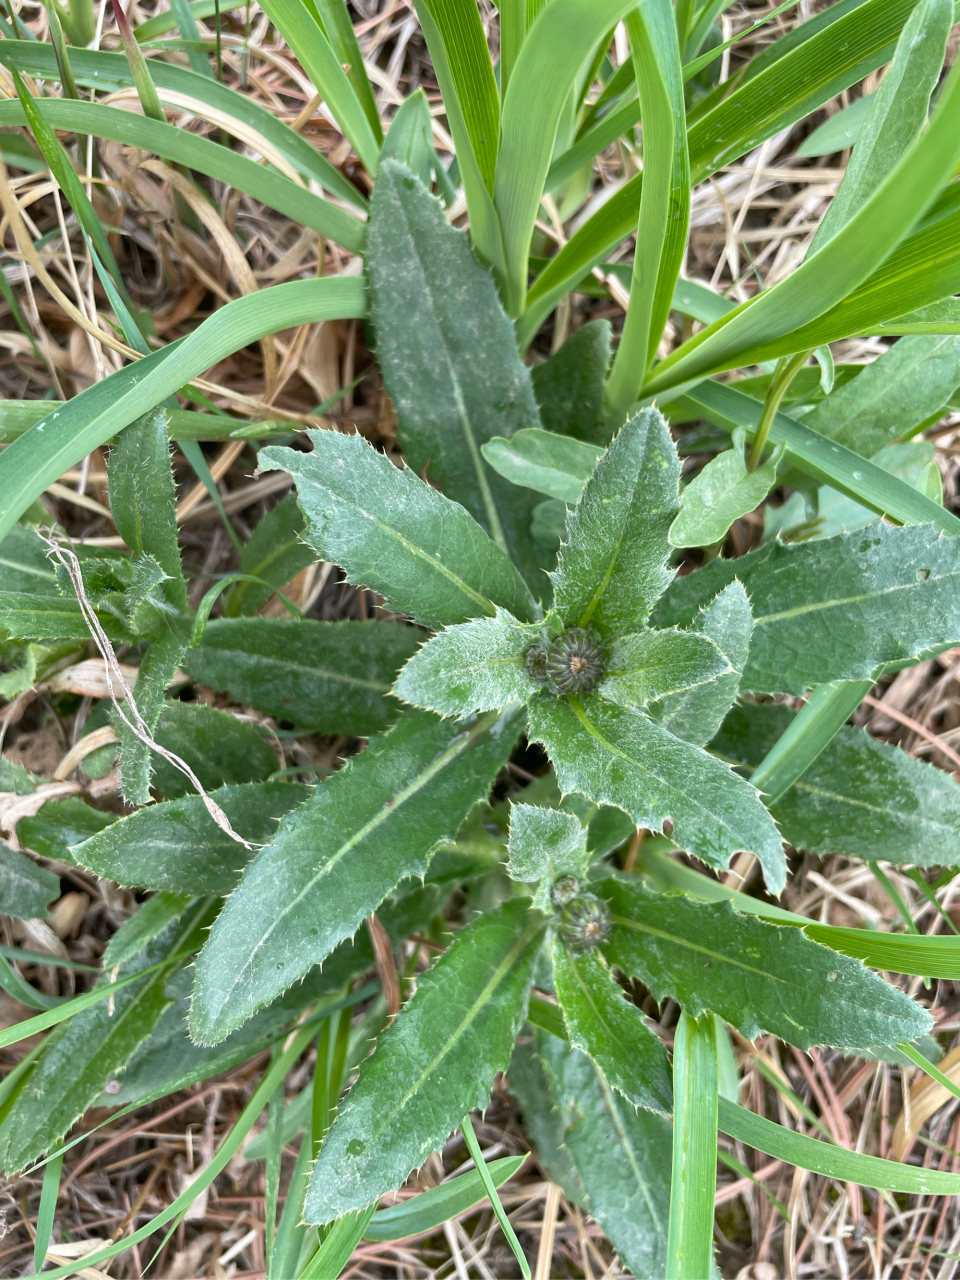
<point x="752" y="222"/>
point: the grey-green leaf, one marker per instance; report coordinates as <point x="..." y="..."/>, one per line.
<point x="603" y="1022"/>
<point x="611" y="1159"/>
<point x="723" y="491"/>
<point x="276" y="553"/>
<point x="655" y="664"/>
<point x="837" y="608"/>
<point x="433" y="1065"/>
<point x="755" y="975"/>
<point x="26" y="889"/>
<point x="58" y="825"/>
<point x="545" y="844"/>
<point x="176" y="844"/>
<point x="449" y="358"/>
<point x="218" y="747"/>
<point x="336" y="858"/>
<point x="334" y="677"/>
<point x="618" y="756"/>
<point x="860" y="798"/>
<point x="569" y="386"/>
<point x="477" y="666"/>
<point x="555" y="465"/>
<point x="24" y="565"/>
<point x="696" y="714"/>
<point x="391" y="531"/>
<point x="612" y="568"/>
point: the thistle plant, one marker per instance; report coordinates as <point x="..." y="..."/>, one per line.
<point x="555" y="589"/>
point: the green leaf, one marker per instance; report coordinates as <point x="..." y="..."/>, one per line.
<point x="569" y="386"/>
<point x="338" y="27"/>
<point x="602" y="1021"/>
<point x="218" y="747"/>
<point x="40" y="456"/>
<point x="449" y="359"/>
<point x="410" y="139"/>
<point x="477" y="666"/>
<point x="336" y="858"/>
<point x="433" y="1065"/>
<point x="275" y="552"/>
<point x="617" y="756"/>
<point x="755" y="975"/>
<point x="177" y="844"/>
<point x="696" y="714"/>
<point x="298" y="25"/>
<point x="43" y="617"/>
<point x="146" y="923"/>
<point x="611" y="1159"/>
<point x="77" y="1060"/>
<point x="334" y="676"/>
<point x="722" y="492"/>
<point x="911" y="381"/>
<point x="656" y="664"/>
<point x="694" y="1183"/>
<point x="898" y="112"/>
<point x="860" y="798"/>
<point x="612" y="568"/>
<point x="25" y="889"/>
<point x="157" y="670"/>
<point x="338" y="1245"/>
<point x="835" y="609"/>
<point x="431" y="1209"/>
<point x="394" y="533"/>
<point x="832" y="1161"/>
<point x="545" y="845"/>
<point x="24" y="565"/>
<point x="57" y="826"/>
<point x="506" y="1226"/>
<point x="839" y="131"/>
<point x="555" y="465"/>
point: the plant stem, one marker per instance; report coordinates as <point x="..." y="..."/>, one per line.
<point x="785" y="372"/>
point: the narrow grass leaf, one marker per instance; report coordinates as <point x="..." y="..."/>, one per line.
<point x="693" y="1185"/>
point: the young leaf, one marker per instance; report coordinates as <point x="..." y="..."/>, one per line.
<point x="275" y="552"/>
<point x="835" y="609"/>
<point x="610" y="1158"/>
<point x="449" y="359"/>
<point x="755" y="975"/>
<point x="617" y="756"/>
<point x="410" y="138"/>
<point x="433" y="1065"/>
<point x="860" y="798"/>
<point x="477" y="666"/>
<point x="612" y="569"/>
<point x="26" y="890"/>
<point x="696" y="714"/>
<point x="555" y="465"/>
<point x="569" y="386"/>
<point x="177" y="844"/>
<point x="911" y="381"/>
<point x="332" y="676"/>
<point x="601" y="1021"/>
<point x="219" y="748"/>
<point x="721" y="493"/>
<point x="656" y="664"/>
<point x="694" y="1182"/>
<point x="839" y="131"/>
<point x="79" y="1057"/>
<point x="545" y="845"/>
<point x="335" y="859"/>
<point x="392" y="532"/>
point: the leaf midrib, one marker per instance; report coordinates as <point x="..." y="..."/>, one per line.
<point x="846" y="601"/>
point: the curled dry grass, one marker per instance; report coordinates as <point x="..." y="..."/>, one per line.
<point x="750" y="224"/>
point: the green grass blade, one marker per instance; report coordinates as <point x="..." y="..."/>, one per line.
<point x="40" y="456"/>
<point x="186" y="21"/>
<point x="693" y="1186"/>
<point x="300" y="29"/>
<point x="339" y="31"/>
<point x="664" y="203"/>
<point x="823" y="459"/>
<point x="98" y="70"/>
<point x="555" y="49"/>
<point x="832" y="1161"/>
<point x="433" y="1208"/>
<point x="473" y="1146"/>
<point x="21" y="990"/>
<point x="933" y="1072"/>
<point x="18" y="416"/>
<point x="48" y="1208"/>
<point x="168" y="19"/>
<point x="198" y="153"/>
<point x="513" y="31"/>
<point x="340" y="1242"/>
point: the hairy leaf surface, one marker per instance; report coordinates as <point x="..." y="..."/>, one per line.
<point x="755" y="975"/>
<point x="433" y="1065"/>
<point x="218" y="747"/>
<point x="390" y="531"/>
<point x="545" y="844"/>
<point x="26" y="889"/>
<point x="569" y="386"/>
<point x="655" y="664"/>
<point x="837" y="608"/>
<point x="336" y="858"/>
<point x="618" y="756"/>
<point x="332" y="676"/>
